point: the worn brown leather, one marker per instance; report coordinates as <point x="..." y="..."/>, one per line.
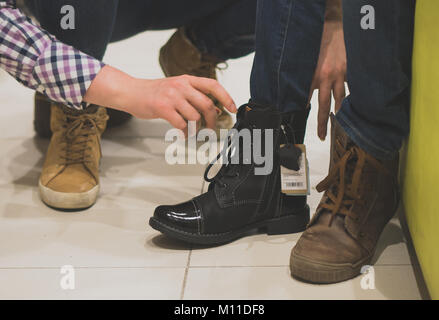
<point x="179" y="56"/>
<point x="72" y="160"/>
<point x="359" y="200"/>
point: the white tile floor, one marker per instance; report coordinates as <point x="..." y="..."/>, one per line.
<point x="114" y="252"/>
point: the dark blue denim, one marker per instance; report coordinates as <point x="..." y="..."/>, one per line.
<point x="223" y="28"/>
<point x="288" y="36"/>
<point x="376" y="114"/>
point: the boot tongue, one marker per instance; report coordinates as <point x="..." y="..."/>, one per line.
<point x="70" y="111"/>
<point x="92" y="109"/>
<point x="340" y="144"/>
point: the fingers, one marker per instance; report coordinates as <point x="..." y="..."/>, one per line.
<point x="337" y="89"/>
<point x="176" y="120"/>
<point x="339" y="94"/>
<point x="204" y="105"/>
<point x="324" y="109"/>
<point x="212" y="87"/>
<point x="188" y="112"/>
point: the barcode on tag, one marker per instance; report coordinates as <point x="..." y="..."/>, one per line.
<point x="296" y="182"/>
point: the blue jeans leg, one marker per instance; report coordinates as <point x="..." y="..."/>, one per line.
<point x="376" y="114"/>
<point x="288" y="38"/>
<point x="94" y="22"/>
<point x="229" y="32"/>
<point x="223" y="28"/>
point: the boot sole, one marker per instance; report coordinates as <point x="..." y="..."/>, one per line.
<point x="68" y="201"/>
<point x="319" y="273"/>
<point x="284" y="225"/>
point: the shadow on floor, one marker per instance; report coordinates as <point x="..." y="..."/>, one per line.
<point x="425" y="295"/>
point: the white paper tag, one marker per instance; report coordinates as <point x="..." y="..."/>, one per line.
<point x="296" y="182"/>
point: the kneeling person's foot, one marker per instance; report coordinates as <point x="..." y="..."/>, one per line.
<point x="359" y="200"/>
<point x="42" y="116"/>
<point x="239" y="200"/>
<point x="70" y="175"/>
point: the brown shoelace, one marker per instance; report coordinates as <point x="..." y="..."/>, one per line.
<point x="77" y="136"/>
<point x="347" y="195"/>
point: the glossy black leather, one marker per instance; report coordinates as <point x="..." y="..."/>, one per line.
<point x="184" y="216"/>
<point x="242" y="198"/>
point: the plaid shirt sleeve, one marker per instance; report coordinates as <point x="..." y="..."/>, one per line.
<point x="39" y="61"/>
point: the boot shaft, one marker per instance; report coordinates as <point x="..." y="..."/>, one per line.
<point x="294" y="126"/>
<point x="293" y="132"/>
<point x="62" y="117"/>
<point x="369" y="187"/>
<point x="180" y="56"/>
<point x="286" y="128"/>
<point x="242" y="179"/>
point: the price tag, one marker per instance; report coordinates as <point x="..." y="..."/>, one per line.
<point x="296" y="183"/>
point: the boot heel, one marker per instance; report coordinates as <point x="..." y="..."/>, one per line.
<point x="292" y="223"/>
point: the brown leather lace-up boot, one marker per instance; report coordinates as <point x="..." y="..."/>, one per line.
<point x="70" y="176"/>
<point x="359" y="200"/>
<point x="180" y="56"/>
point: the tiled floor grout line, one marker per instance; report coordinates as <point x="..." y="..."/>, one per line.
<point x="92" y="268"/>
<point x="188" y="266"/>
<point x="287" y="266"/>
<point x="186" y="272"/>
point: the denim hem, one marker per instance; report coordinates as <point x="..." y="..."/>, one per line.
<point x="233" y="48"/>
<point x="355" y="134"/>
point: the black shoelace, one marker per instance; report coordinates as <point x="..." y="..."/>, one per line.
<point x="228" y="169"/>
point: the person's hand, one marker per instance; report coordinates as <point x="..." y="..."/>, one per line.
<point x="330" y="74"/>
<point x="177" y="100"/>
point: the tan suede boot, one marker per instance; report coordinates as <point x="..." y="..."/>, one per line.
<point x="70" y="176"/>
<point x="180" y="56"/>
<point x="359" y="200"/>
<point x="42" y="107"/>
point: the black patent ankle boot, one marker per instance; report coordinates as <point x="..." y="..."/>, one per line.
<point x="240" y="199"/>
